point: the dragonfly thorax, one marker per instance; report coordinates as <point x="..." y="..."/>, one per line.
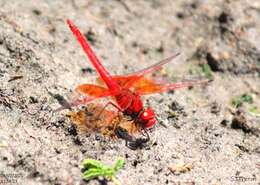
<point x="132" y="105"/>
<point x="130" y="102"/>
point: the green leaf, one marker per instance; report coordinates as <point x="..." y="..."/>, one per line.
<point x="94" y="168"/>
<point x="245" y="98"/>
<point x="254" y="110"/>
<point x="207" y="71"/>
<point x="119" y="164"/>
<point x="109" y="172"/>
<point x="92" y="163"/>
<point x="236" y="102"/>
<point x="92" y="173"/>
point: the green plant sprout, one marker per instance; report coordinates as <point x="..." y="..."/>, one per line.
<point x="203" y="69"/>
<point x="254" y="110"/>
<point x="94" y="168"/>
<point x="237" y="102"/>
<point x="207" y="71"/>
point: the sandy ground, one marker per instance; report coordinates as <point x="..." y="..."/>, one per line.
<point x="38" y="54"/>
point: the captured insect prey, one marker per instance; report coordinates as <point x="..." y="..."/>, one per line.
<point x="125" y="92"/>
<point x="93" y="118"/>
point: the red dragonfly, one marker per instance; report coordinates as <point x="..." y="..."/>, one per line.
<point x="126" y="90"/>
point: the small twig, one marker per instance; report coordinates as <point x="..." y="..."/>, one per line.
<point x="163" y="124"/>
<point x="27" y="132"/>
<point x="251" y="88"/>
<point x="123" y="3"/>
<point x="61" y="100"/>
<point x="15" y="78"/>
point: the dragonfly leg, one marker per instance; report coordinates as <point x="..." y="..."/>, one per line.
<point x="110" y="103"/>
<point x="146" y="134"/>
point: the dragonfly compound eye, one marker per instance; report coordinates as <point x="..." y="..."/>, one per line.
<point x="150" y="123"/>
<point x="148" y="117"/>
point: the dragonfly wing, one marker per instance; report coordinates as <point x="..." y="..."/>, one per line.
<point x="90" y="92"/>
<point x="129" y="79"/>
<point x="146" y="86"/>
<point x="123" y="81"/>
<point x="154" y="67"/>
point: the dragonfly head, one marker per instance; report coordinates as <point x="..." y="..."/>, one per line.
<point x="147" y="117"/>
